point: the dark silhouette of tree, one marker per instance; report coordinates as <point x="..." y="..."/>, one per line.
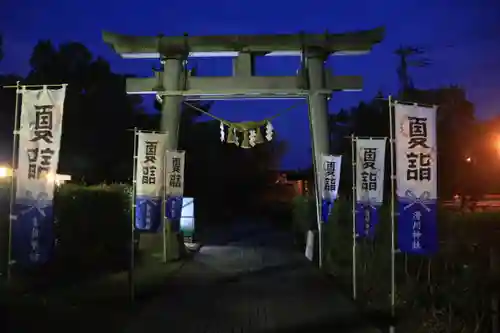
<point x="97" y="138"/>
<point x="222" y="177"/>
<point x="456" y="137"/>
<point x="97" y="142"/>
<point x="7" y="111"/>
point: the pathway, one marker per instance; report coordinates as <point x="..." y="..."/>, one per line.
<point x="256" y="283"/>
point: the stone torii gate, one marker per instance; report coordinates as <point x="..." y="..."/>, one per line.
<point x="313" y="81"/>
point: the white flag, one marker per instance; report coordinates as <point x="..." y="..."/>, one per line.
<point x="39" y="143"/>
<point x="330" y="176"/>
<point x="175" y="173"/>
<point x="416" y="164"/>
<point x="150" y="155"/>
<point x="370" y="160"/>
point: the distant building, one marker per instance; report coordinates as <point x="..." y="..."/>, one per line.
<point x="284" y="185"/>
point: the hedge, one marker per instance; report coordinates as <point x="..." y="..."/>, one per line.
<point x="92" y="229"/>
<point x="456" y="290"/>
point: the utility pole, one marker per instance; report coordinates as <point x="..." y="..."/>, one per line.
<point x="405" y="54"/>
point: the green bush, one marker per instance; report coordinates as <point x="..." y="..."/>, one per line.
<point x="303" y="214"/>
<point x="92" y="227"/>
<point x="4" y="224"/>
<point x="451" y="291"/>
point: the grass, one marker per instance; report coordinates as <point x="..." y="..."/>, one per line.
<point x="102" y="303"/>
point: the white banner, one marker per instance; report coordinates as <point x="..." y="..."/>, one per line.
<point x="370" y="160"/>
<point x="39" y="143"/>
<point x="149" y="173"/>
<point x="330" y="176"/>
<point x="175" y="173"/>
<point x="416" y="164"/>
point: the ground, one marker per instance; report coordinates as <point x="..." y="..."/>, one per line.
<point x="246" y="278"/>
<point x="255" y="282"/>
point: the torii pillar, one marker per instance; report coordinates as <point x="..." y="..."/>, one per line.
<point x="172" y="105"/>
<point x="313" y="82"/>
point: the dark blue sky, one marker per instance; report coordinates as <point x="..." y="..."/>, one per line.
<point x="462" y="38"/>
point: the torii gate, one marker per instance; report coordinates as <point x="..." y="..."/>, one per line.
<point x="313" y="81"/>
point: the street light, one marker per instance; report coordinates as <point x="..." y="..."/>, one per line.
<point x="468" y="159"/>
<point x="497" y="143"/>
<point x="5" y="172"/>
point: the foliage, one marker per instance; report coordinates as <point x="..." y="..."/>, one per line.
<point x="216" y="171"/>
<point x="303" y="209"/>
<point x="457" y="136"/>
<point x="97" y="142"/>
<point x="92" y="227"/>
<point x="451" y="291"/>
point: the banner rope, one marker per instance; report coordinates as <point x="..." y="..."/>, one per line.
<point x="251" y="129"/>
<point x="243" y="125"/>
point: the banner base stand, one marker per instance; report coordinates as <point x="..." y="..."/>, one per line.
<point x="151" y="245"/>
<point x="309" y="251"/>
<point x="192" y="247"/>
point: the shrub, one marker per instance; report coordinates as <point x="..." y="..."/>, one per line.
<point x="92" y="229"/>
<point x="451" y="291"/>
<point x="4" y="224"/>
<point x="303" y="213"/>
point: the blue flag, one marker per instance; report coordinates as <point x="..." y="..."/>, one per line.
<point x="326" y="209"/>
<point x="417" y="225"/>
<point x="148" y="213"/>
<point x="366" y="219"/>
<point x="32" y="231"/>
<point x="173" y="208"/>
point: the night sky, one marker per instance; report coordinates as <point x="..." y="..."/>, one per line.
<point x="462" y="38"/>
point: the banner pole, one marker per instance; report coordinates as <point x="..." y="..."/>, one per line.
<point x="15" y="136"/>
<point x="354" y="254"/>
<point x="35" y="85"/>
<point x="392" y="329"/>
<point x="132" y="218"/>
<point x="318" y="211"/>
<point x="165" y="228"/>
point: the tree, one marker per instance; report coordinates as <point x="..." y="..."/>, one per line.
<point x="224" y="176"/>
<point x="457" y="136"/>
<point x="97" y="138"/>
<point x="456" y="139"/>
<point x="7" y="111"/>
<point x="97" y="142"/>
<point x="220" y="176"/>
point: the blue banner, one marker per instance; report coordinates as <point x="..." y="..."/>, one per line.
<point x="417" y="225"/>
<point x="173" y="208"/>
<point x="148" y="213"/>
<point x="326" y="209"/>
<point x="32" y="231"/>
<point x="366" y="219"/>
